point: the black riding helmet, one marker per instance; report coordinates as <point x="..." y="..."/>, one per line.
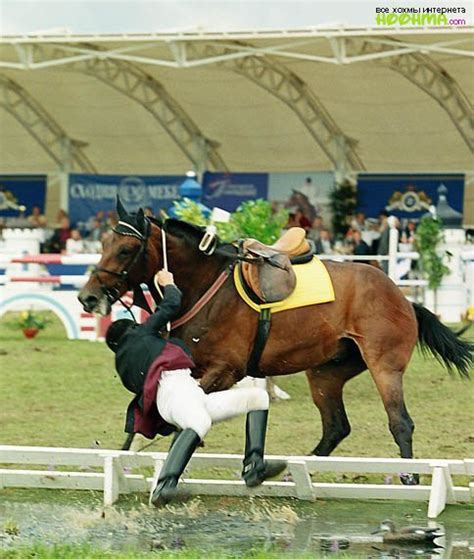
<point x="116" y="330"/>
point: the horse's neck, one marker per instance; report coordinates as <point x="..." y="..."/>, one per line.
<point x="193" y="272"/>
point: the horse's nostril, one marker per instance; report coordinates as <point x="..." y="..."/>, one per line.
<point x="89" y="302"/>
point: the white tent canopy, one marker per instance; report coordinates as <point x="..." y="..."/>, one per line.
<point x="307" y="99"/>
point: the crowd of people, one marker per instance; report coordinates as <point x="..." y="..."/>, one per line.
<point x="63" y="237"/>
<point x="364" y="236"/>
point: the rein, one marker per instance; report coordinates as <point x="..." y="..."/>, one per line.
<point x="218" y="283"/>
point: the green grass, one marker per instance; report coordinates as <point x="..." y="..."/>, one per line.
<point x="57" y="392"/>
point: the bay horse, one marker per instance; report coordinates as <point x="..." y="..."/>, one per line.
<point x="370" y="325"/>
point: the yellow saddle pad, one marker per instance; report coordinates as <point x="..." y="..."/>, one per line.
<point x="313" y="286"/>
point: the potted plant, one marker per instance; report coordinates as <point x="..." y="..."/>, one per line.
<point x="31" y="323"/>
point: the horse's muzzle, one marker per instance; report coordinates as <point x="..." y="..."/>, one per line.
<point x="89" y="301"/>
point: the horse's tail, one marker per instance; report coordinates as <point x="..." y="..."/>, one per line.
<point x="443" y="343"/>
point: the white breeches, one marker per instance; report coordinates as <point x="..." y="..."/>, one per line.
<point x="183" y="403"/>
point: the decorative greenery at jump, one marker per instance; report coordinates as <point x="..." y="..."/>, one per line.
<point x="429" y="235"/>
<point x="343" y="204"/>
<point x="254" y="218"/>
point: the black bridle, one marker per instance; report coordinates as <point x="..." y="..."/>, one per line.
<point x="113" y="293"/>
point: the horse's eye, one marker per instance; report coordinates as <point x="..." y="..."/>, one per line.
<point x="125" y="251"/>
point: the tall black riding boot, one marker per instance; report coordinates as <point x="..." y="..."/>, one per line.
<point x="256" y="470"/>
<point x="178" y="456"/>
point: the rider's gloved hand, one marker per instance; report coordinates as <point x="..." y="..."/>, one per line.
<point x="163" y="277"/>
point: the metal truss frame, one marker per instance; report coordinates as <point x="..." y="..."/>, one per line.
<point x="143" y="88"/>
<point x="290" y="44"/>
<point x="66" y="152"/>
<point x="431" y="77"/>
<point x="286" y="86"/>
<point x="268" y="73"/>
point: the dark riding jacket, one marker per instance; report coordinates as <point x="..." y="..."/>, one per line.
<point x="142" y="355"/>
<point x="141" y="345"/>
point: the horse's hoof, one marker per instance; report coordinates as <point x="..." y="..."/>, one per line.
<point x="410" y="479"/>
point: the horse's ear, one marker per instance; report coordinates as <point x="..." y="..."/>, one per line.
<point x="141" y="220"/>
<point x="121" y="211"/>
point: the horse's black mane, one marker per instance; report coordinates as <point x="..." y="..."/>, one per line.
<point x="192" y="234"/>
<point x="189" y="232"/>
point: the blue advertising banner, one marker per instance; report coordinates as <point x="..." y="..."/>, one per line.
<point x="89" y="194"/>
<point x="407" y="196"/>
<point x="229" y="190"/>
<point x="21" y="190"/>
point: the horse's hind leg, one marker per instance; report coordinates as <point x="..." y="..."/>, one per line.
<point x="326" y="386"/>
<point x="326" y="383"/>
<point x="326" y="391"/>
<point x="388" y="377"/>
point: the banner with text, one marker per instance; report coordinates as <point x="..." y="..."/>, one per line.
<point x="89" y="194"/>
<point x="21" y="190"/>
<point x="229" y="190"/>
<point x="407" y="196"/>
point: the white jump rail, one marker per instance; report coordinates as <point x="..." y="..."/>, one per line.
<point x="111" y="471"/>
<point x="90" y="259"/>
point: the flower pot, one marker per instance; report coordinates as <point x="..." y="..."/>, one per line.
<point x="30" y="332"/>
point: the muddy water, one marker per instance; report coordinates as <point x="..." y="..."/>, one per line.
<point x="226" y="524"/>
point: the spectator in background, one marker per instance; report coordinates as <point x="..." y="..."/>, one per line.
<point x="361" y="248"/>
<point x="96" y="230"/>
<point x="36" y="219"/>
<point x="75" y="244"/>
<point x="91" y="223"/>
<point x="60" y="216"/>
<point x="112" y="219"/>
<point x="316" y="228"/>
<point x="358" y="222"/>
<point x="296" y="218"/>
<point x="372" y="235"/>
<point x="57" y="242"/>
<point x="383" y="216"/>
<point x="408" y="234"/>
<point x="148" y="211"/>
<point x="324" y="245"/>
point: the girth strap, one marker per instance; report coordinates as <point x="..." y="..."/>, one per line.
<point x="259" y="343"/>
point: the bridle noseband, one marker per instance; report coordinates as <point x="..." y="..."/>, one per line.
<point x="113" y="293"/>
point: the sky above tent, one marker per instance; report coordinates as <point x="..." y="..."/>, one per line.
<point x="136" y="16"/>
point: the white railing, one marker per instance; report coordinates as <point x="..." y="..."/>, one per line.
<point x="87" y="259"/>
<point x="117" y="472"/>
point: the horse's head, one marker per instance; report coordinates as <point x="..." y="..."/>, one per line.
<point x="126" y="262"/>
<point x="296" y="199"/>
